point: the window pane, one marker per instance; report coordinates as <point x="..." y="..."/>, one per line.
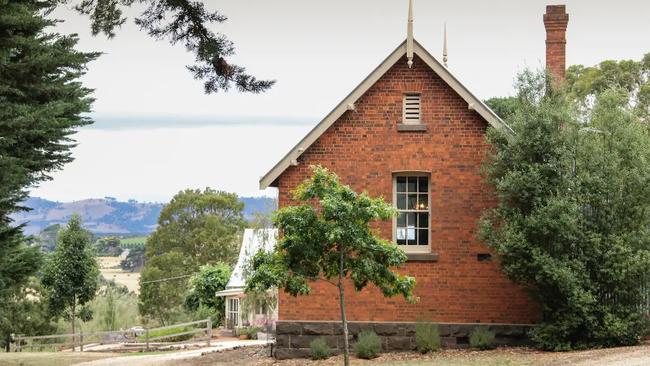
<point x="401" y="184"/>
<point x="423" y="183"/>
<point x="423" y="220"/>
<point x="410" y="232"/>
<point x="412" y="201"/>
<point x="410" y="219"/>
<point x="412" y="184"/>
<point x="401" y="234"/>
<point x="423" y="202"/>
<point x="423" y="236"/>
<point x="401" y="220"/>
<point x="401" y="201"/>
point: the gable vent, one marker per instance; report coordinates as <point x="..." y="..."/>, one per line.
<point x="411" y="109"/>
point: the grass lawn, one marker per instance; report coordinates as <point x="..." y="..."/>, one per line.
<point x="50" y="358"/>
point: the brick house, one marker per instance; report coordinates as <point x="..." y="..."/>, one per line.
<point x="412" y="133"/>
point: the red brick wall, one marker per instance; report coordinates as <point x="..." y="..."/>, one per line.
<point x="364" y="148"/>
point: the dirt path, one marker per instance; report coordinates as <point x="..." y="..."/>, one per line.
<point x="174" y="357"/>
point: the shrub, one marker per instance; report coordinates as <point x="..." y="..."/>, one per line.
<point x="427" y="337"/>
<point x="368" y="345"/>
<point x="318" y="349"/>
<point x="251" y="332"/>
<point x="482" y="338"/>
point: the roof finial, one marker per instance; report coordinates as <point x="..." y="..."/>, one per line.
<point x="409" y="36"/>
<point x="444" y="48"/>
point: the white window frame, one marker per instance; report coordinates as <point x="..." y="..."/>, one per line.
<point x="234" y="315"/>
<point x="413" y="248"/>
<point x="405" y="101"/>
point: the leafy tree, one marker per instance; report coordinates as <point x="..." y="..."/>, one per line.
<point x="331" y="241"/>
<point x="630" y="78"/>
<point x="572" y="219"/>
<point x="180" y="21"/>
<point x="24" y="312"/>
<point x="41" y="101"/>
<point x="109" y="246"/>
<point x="163" y="285"/>
<point x="71" y="275"/>
<point x="585" y="83"/>
<point x="204" y="226"/>
<point x="203" y="285"/>
<point x="134" y="260"/>
<point x="502" y="106"/>
<point x="195" y="228"/>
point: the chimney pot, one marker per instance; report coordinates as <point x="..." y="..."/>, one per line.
<point x="555" y="21"/>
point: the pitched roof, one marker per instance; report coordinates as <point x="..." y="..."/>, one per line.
<point x="472" y="101"/>
<point x="253" y="242"/>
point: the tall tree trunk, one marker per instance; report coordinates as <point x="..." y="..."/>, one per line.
<point x="73" y="316"/>
<point x="344" y="320"/>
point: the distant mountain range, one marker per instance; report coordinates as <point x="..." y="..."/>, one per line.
<point x="110" y="216"/>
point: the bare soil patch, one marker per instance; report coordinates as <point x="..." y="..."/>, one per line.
<point x="623" y="356"/>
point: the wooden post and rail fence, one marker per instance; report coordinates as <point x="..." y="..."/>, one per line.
<point x="139" y="338"/>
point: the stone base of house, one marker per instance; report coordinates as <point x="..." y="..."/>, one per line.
<point x="293" y="337"/>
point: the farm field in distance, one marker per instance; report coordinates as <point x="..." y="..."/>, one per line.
<point x="109" y="268"/>
<point x="134" y="240"/>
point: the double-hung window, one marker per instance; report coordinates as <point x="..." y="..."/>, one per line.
<point x="411" y="197"/>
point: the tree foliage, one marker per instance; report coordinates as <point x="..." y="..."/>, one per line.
<point x="71" y="275"/>
<point x="41" y="101"/>
<point x="331" y="240"/>
<point x="163" y="285"/>
<point x="629" y="77"/>
<point x="205" y="226"/>
<point x="195" y="228"/>
<point x="24" y="312"/>
<point x="584" y="84"/>
<point x="572" y="219"/>
<point x="179" y="21"/>
<point x="203" y="285"/>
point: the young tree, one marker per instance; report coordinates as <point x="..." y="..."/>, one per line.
<point x="573" y="213"/>
<point x="331" y="241"/>
<point x="203" y="285"/>
<point x="71" y="275"/>
<point x="179" y="21"/>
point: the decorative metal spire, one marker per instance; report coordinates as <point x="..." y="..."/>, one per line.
<point x="409" y="36"/>
<point x="444" y="48"/>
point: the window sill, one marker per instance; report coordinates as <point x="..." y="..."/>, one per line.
<point x="422" y="257"/>
<point x="410" y="128"/>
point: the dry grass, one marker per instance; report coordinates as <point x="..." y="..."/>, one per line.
<point x="129" y="279"/>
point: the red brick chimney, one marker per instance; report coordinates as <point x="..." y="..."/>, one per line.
<point x="555" y="22"/>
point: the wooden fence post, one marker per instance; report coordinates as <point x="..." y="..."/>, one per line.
<point x="18" y="343"/>
<point x="146" y="337"/>
<point x="209" y="325"/>
<point x="81" y="341"/>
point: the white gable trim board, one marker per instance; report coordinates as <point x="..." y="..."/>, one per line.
<point x="473" y="103"/>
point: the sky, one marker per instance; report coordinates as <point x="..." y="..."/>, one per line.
<point x="157" y="133"/>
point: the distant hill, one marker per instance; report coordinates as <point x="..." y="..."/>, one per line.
<point x="110" y="216"/>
